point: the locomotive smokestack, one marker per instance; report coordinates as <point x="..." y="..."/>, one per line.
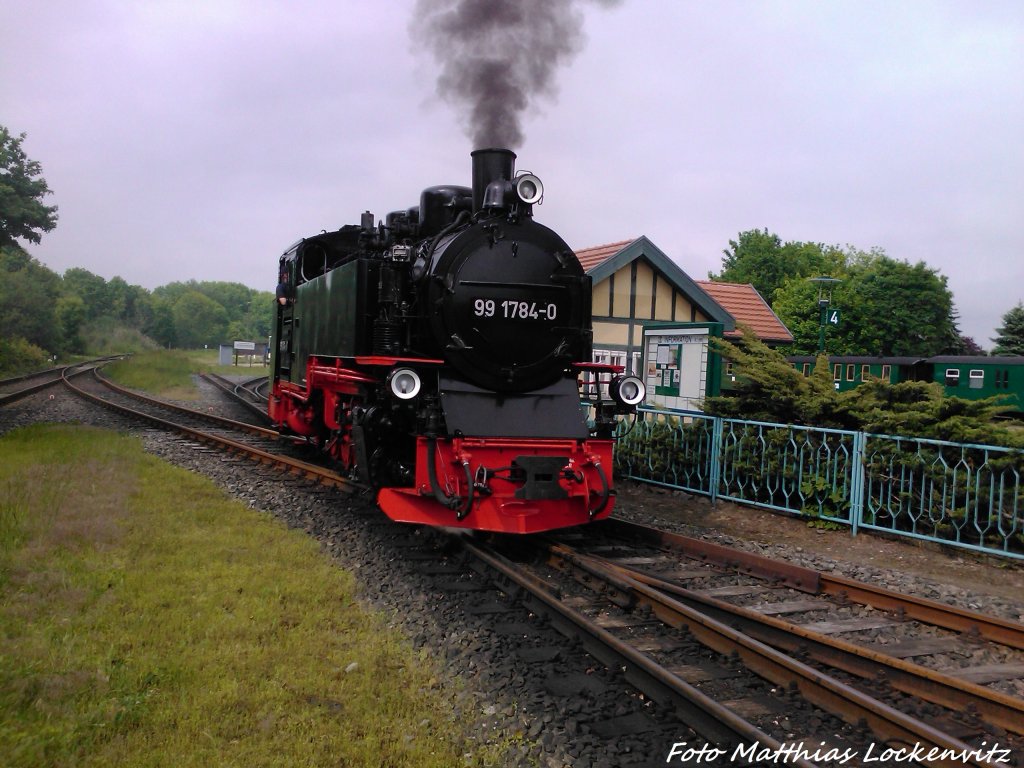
<point x="490" y="165"/>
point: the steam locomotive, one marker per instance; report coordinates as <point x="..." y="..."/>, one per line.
<point x="435" y="356"/>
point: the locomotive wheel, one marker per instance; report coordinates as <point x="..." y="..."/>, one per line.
<point x="384" y="454"/>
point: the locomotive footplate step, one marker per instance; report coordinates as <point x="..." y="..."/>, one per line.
<point x="575" y="684"/>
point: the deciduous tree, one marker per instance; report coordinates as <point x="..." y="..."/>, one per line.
<point x="968" y="346"/>
<point x="199" y="320"/>
<point x="160" y="325"/>
<point x="888" y="307"/>
<point x="760" y="258"/>
<point x="28" y="294"/>
<point x="70" y="315"/>
<point x="91" y="289"/>
<point x="22" y="189"/>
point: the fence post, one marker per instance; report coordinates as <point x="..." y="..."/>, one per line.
<point x="857" y="482"/>
<point x="716" y="457"/>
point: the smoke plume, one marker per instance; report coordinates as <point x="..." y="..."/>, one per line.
<point x="497" y="57"/>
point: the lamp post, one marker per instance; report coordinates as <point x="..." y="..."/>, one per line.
<point x="827" y="315"/>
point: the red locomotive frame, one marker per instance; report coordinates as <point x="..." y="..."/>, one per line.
<point x="462" y="468"/>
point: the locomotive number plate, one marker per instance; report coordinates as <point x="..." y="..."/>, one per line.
<point x="511" y="309"/>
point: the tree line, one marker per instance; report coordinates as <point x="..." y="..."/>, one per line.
<point x="889" y="307"/>
<point x="43" y="314"/>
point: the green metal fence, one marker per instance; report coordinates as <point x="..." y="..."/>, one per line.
<point x="960" y="494"/>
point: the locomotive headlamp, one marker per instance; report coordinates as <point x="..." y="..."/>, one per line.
<point x="404" y="383"/>
<point x="529" y="189"/>
<point x="627" y="390"/>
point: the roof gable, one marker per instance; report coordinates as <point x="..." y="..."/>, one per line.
<point x="598" y="254"/>
<point x="605" y="260"/>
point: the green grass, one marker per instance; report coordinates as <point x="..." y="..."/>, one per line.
<point x="161" y="372"/>
<point x="147" y="620"/>
<point x="168" y="373"/>
<point x="208" y="360"/>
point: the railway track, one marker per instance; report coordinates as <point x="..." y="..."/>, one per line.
<point x="658" y="607"/>
<point x="747" y="652"/>
<point x="257" y="443"/>
<point x="250" y="394"/>
<point x="18" y="387"/>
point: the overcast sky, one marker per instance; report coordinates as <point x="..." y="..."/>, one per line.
<point x="197" y="140"/>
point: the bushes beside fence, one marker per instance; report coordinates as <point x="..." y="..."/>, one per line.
<point x="963" y="494"/>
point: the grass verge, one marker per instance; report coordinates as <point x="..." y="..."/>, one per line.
<point x="147" y="620"/>
<point x="169" y="373"/>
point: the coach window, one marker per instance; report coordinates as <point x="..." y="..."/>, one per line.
<point x="977" y="378"/>
<point x="886" y="372"/>
<point x="865" y="372"/>
<point x="807" y="369"/>
<point x="837" y="372"/>
<point x="851" y="372"/>
<point x="952" y="377"/>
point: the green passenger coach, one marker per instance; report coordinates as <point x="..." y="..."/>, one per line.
<point x="972" y="377"/>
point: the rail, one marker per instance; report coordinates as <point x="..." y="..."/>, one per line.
<point x="309" y="471"/>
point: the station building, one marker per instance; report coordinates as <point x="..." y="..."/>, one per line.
<point x="652" y="318"/>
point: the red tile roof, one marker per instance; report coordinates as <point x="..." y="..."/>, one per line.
<point x="744" y="303"/>
<point x="598" y="254"/>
